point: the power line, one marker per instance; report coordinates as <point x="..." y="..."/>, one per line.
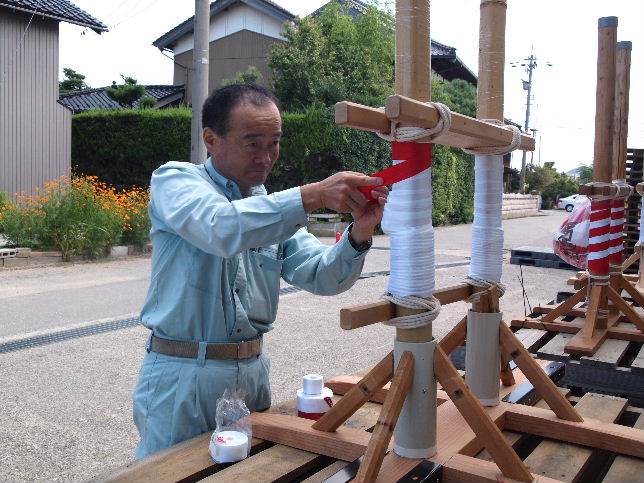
<point x="19" y="46"/>
<point x="132" y="15"/>
<point x="530" y="63"/>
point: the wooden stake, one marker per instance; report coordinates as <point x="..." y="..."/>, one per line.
<point x="362" y="392"/>
<point x="564" y="307"/>
<point x="454" y="337"/>
<point x="488" y="433"/>
<point x="543" y="384"/>
<point x="632" y="259"/>
<point x="384" y="429"/>
<point x="633" y="292"/>
<point x="625" y="308"/>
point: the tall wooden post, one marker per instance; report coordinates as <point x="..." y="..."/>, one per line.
<point x="416" y="429"/>
<point x="598" y="259"/>
<point x="620" y="120"/>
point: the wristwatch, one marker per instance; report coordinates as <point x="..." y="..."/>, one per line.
<point x="359" y="247"/>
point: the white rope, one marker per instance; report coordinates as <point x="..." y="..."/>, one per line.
<point x="419" y="134"/>
<point x="431" y="307"/>
<point x="499" y="150"/>
<point x="486" y="287"/>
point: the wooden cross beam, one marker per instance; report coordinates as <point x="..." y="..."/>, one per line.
<point x="465" y="132"/>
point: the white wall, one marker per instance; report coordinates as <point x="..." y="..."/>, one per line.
<point x="234" y="19"/>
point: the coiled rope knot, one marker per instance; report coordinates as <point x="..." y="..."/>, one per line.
<point x="431" y="307"/>
<point x="487" y="286"/>
<point x="498" y="150"/>
<point x="419" y="134"/>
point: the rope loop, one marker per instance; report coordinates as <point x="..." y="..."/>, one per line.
<point x="419" y="134"/>
<point x="431" y="307"/>
<point x="487" y="286"/>
<point x="498" y="150"/>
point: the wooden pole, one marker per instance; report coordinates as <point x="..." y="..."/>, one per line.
<point x="603" y="152"/>
<point x="620" y="121"/>
<point x="605" y="100"/>
<point x="483" y="358"/>
<point x="489" y="97"/>
<point x="413" y="79"/>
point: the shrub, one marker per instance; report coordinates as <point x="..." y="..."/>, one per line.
<point x="22" y="223"/>
<point x="134" y="211"/>
<point x="79" y="216"/>
<point x="123" y="147"/>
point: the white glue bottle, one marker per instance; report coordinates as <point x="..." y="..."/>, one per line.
<point x="313" y="400"/>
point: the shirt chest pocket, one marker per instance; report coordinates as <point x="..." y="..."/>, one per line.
<point x="263" y="275"/>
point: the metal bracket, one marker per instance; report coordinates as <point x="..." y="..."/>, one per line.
<point x="526" y="393"/>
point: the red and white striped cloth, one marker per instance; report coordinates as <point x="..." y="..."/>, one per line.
<point x="599" y="237"/>
<point x="617" y="232"/>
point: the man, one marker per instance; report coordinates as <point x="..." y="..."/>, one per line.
<point x="221" y="245"/>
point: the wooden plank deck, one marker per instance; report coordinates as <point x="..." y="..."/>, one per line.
<point x="189" y="461"/>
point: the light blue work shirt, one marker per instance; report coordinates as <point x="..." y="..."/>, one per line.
<point x="217" y="261"/>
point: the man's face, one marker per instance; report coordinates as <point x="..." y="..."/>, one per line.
<point x="247" y="152"/>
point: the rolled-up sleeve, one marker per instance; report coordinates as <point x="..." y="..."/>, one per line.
<point x="189" y="206"/>
<point x="318" y="268"/>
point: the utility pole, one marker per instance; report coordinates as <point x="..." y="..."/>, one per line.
<point x="530" y="63"/>
<point x="200" y="57"/>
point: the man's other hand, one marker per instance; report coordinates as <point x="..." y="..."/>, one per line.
<point x="366" y="219"/>
<point x="340" y="193"/>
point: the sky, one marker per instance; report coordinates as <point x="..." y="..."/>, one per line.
<point x="562" y="33"/>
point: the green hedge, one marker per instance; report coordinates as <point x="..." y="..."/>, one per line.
<point x="124" y="147"/>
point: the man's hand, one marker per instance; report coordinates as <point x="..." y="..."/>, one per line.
<point x="338" y="193"/>
<point x="366" y="219"/>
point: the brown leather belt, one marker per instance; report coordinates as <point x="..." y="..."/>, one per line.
<point x="190" y="350"/>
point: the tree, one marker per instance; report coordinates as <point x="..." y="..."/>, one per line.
<point x="74" y="81"/>
<point x="252" y="75"/>
<point x="551" y="184"/>
<point x="127" y="93"/>
<point x="147" y="102"/>
<point x="334" y="57"/>
<point x="585" y="173"/>
<point x="538" y="177"/>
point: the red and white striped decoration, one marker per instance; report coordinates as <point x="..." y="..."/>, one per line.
<point x="599" y="237"/>
<point x="617" y="232"/>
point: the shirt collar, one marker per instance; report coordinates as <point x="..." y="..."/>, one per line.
<point x="230" y="187"/>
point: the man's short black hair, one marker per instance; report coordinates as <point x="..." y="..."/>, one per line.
<point x="220" y="103"/>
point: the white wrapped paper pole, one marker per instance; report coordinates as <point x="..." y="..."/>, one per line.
<point x="482" y="362"/>
<point x="487" y="229"/>
<point x="408" y="222"/>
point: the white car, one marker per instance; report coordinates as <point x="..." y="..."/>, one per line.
<point x="568" y="203"/>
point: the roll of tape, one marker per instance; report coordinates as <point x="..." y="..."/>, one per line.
<point x="228" y="446"/>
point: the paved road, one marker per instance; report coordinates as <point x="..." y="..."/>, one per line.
<point x="66" y="404"/>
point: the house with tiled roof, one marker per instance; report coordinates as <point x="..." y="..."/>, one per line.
<point x="242" y="33"/>
<point x="87" y="99"/>
<point x="35" y="130"/>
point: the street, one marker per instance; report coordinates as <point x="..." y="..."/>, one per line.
<point x="70" y="349"/>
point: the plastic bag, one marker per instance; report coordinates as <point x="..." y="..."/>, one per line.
<point x="571" y="239"/>
<point x="231" y="439"/>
